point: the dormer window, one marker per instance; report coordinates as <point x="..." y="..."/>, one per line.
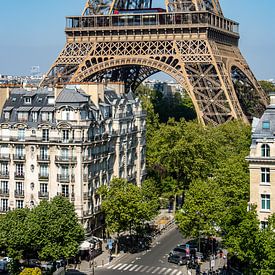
<point x="266" y="125"/>
<point x="7" y="115"/>
<point x="28" y="100"/>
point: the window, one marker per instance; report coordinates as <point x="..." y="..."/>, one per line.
<point x="19" y="204"/>
<point x="65" y="154"/>
<point x="34" y="116"/>
<point x="6" y="115"/>
<point x="19" y="151"/>
<point x="64" y="171"/>
<point x="265" y="150"/>
<point x="4" y="205"/>
<point x="19" y="169"/>
<point x="65" y="190"/>
<point x="265" y="175"/>
<point x="43" y="188"/>
<point x="23" y="116"/>
<point x="264" y="224"/>
<point x="266" y="125"/>
<point x="44" y="170"/>
<point x="4" y="187"/>
<point x="45" y="134"/>
<point x="65" y="135"/>
<point x="47" y="116"/>
<point x="67" y="114"/>
<point x="21" y="134"/>
<point x="44" y="153"/>
<point x="4" y="169"/>
<point x="265" y="198"/>
<point x="19" y="186"/>
<point x="28" y="100"/>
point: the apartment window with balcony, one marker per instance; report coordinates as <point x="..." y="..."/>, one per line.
<point x="19" y="151"/>
<point x="19" y="204"/>
<point x="44" y="152"/>
<point x="65" y="153"/>
<point x="64" y="172"/>
<point x="4" y="187"/>
<point x="4" y="205"/>
<point x="19" y="169"/>
<point x="265" y="150"/>
<point x="265" y="175"/>
<point x="65" y="135"/>
<point x="45" y="134"/>
<point x="65" y="190"/>
<point x="21" y="134"/>
<point x="4" y="169"/>
<point x="44" y="171"/>
<point x="265" y="202"/>
<point x="43" y="188"/>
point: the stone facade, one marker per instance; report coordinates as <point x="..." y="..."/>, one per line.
<point x="262" y="163"/>
<point x="69" y="141"/>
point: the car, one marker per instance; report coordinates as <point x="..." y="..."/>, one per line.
<point x="3" y="266"/>
<point x="178" y="259"/>
<point x="178" y="250"/>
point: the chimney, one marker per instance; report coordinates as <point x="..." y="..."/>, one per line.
<point x="272" y="97"/>
<point x="94" y="90"/>
<point x="4" y="95"/>
<point x="57" y="89"/>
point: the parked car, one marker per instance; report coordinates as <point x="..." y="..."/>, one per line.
<point x="178" y="250"/>
<point x="178" y="259"/>
<point x="3" y="266"/>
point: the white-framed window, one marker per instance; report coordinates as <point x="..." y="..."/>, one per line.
<point x="65" y="153"/>
<point x="21" y="134"/>
<point x="47" y="116"/>
<point x="44" y="188"/>
<point x="265" y="175"/>
<point x="67" y="114"/>
<point x="265" y="150"/>
<point x="45" y="134"/>
<point x="19" y="204"/>
<point x="28" y="100"/>
<point x="19" y="169"/>
<point x="4" y="169"/>
<point x="34" y="116"/>
<point x="44" y="170"/>
<point x="19" y="151"/>
<point x="44" y="152"/>
<point x="65" y="135"/>
<point x="265" y="201"/>
<point x="4" y="205"/>
<point x="19" y="187"/>
<point x="22" y="116"/>
<point x="65" y="190"/>
<point x="6" y="115"/>
<point x="266" y="125"/>
<point x="4" y="186"/>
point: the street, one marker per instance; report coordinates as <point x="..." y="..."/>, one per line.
<point x="152" y="261"/>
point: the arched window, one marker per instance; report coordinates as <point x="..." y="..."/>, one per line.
<point x="265" y="150"/>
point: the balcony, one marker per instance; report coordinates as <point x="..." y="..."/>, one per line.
<point x="19" y="194"/>
<point x="66" y="195"/>
<point x="5" y="157"/>
<point x="87" y="196"/>
<point x="43" y="176"/>
<point x="4" y="175"/>
<point x="43" y="195"/>
<point x="97" y="209"/>
<point x="43" y="158"/>
<point x="4" y="209"/>
<point x="17" y="157"/>
<point x="4" y="193"/>
<point x="19" y="175"/>
<point x="65" y="159"/>
<point x="63" y="178"/>
<point x="87" y="213"/>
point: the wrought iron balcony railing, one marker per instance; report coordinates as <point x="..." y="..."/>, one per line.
<point x="19" y="193"/>
<point x="4" y="192"/>
<point x="19" y="175"/>
<point x="43" y="195"/>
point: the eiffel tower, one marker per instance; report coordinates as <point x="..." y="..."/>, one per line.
<point x="190" y="40"/>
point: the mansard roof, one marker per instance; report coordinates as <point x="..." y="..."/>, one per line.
<point x="72" y="96"/>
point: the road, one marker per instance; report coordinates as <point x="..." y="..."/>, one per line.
<point x="153" y="261"/>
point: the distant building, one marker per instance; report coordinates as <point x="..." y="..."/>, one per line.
<point x="167" y="88"/>
<point x="262" y="163"/>
<point x="69" y="141"/>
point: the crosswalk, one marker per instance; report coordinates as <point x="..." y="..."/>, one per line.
<point x="145" y="269"/>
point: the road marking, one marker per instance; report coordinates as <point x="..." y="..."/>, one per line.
<point x="150" y="269"/>
<point x="116" y="266"/>
<point x="132" y="268"/>
<point x="127" y="267"/>
<point x="179" y="273"/>
<point x="156" y="270"/>
<point x="144" y="268"/>
<point x="162" y="270"/>
<point x="168" y="270"/>
<point x="121" y="267"/>
<point x="140" y="267"/>
<point x="173" y="272"/>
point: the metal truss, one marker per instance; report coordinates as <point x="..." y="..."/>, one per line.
<point x="206" y="62"/>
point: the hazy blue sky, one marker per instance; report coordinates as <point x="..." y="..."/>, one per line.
<point x="32" y="32"/>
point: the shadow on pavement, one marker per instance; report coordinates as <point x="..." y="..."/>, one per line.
<point x="74" y="272"/>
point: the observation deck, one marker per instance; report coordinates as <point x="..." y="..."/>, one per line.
<point x="205" y="22"/>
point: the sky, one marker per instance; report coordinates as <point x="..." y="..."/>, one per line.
<point x="32" y="32"/>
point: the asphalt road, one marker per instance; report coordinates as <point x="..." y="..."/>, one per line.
<point x="152" y="261"/>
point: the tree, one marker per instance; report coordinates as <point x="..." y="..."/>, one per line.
<point x="49" y="231"/>
<point x="126" y="206"/>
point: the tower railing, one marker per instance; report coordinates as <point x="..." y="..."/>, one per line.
<point x="203" y="18"/>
